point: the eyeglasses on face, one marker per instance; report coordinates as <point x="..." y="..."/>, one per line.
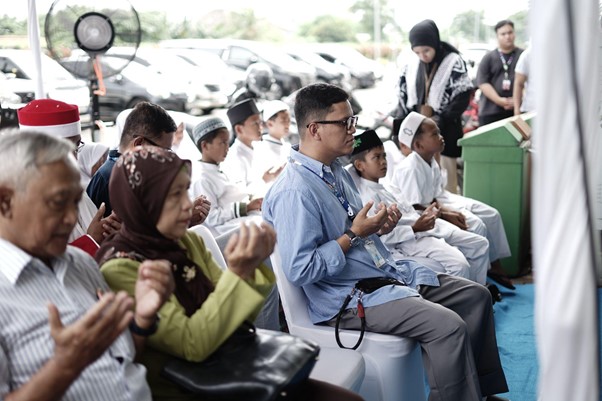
<point x="348" y="123"/>
<point x="153" y="143"/>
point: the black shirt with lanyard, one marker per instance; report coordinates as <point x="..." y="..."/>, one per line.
<point x="506" y="60"/>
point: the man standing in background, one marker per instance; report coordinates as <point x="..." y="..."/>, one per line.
<point x="495" y="77"/>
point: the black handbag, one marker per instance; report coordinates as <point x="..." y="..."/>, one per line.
<point x="253" y="365"/>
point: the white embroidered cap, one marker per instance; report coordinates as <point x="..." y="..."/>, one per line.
<point x="408" y="128"/>
<point x="272" y="108"/>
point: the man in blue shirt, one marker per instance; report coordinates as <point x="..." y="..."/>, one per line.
<point x="328" y="243"/>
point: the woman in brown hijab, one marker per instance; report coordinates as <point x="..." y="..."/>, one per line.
<point x="149" y="191"/>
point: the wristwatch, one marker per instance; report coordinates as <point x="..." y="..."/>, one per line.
<point x="353" y="238"/>
<point x="135" y="329"/>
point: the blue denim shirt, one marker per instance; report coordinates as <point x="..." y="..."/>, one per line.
<point x="308" y="219"/>
<point x="98" y="188"/>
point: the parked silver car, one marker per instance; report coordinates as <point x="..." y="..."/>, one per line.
<point x="289" y="74"/>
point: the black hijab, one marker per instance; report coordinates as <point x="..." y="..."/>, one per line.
<point x="426" y="33"/>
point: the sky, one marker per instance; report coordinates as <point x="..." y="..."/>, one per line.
<point x="297" y="12"/>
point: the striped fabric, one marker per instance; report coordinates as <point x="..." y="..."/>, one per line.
<point x="27" y="285"/>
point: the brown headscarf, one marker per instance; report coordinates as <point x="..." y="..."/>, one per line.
<point x="139" y="184"/>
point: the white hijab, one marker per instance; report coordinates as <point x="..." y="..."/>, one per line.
<point x="88" y="157"/>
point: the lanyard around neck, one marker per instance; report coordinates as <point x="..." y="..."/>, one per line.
<point x="333" y="188"/>
<point x="506" y="64"/>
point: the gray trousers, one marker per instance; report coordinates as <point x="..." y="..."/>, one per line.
<point x="454" y="325"/>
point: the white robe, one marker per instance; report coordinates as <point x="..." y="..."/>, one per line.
<point x="421" y="182"/>
<point x="238" y="166"/>
<point x="225" y="198"/>
<point x="86" y="212"/>
<point x="461" y="253"/>
<point x="269" y="153"/>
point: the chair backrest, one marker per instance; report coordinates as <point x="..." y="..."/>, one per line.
<point x="353" y="173"/>
<point x="210" y="243"/>
<point x="294" y="302"/>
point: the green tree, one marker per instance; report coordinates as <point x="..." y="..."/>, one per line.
<point x="469" y="26"/>
<point x="238" y="25"/>
<point x="12" y="26"/>
<point x="365" y="9"/>
<point x="154" y="25"/>
<point x="521" y="27"/>
<point x="328" y="28"/>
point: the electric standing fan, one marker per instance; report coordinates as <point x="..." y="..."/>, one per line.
<point x="77" y="35"/>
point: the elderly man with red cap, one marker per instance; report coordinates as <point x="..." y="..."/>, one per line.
<point x="60" y="119"/>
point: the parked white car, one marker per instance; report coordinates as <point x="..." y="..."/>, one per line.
<point x="19" y="68"/>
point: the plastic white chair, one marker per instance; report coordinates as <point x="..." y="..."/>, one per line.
<point x="210" y="243"/>
<point x="344" y="368"/>
<point x="394" y="370"/>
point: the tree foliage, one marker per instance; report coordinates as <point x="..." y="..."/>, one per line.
<point x="12" y="26"/>
<point x="469" y="26"/>
<point x="521" y="27"/>
<point x="328" y="28"/>
<point x="365" y="9"/>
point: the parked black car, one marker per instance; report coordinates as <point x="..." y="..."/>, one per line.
<point x="134" y="84"/>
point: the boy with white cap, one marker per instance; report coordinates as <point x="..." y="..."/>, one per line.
<point x="460" y="252"/>
<point x="271" y="153"/>
<point x="419" y="179"/>
<point x="229" y="203"/>
<point x="60" y="119"/>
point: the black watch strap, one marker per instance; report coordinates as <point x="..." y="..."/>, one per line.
<point x="135" y="329"/>
<point x="353" y="238"/>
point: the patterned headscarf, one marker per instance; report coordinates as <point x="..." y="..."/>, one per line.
<point x="139" y="184"/>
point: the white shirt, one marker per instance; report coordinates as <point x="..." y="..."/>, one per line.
<point x="269" y="153"/>
<point x="522" y="67"/>
<point x="225" y="197"/>
<point x="86" y="212"/>
<point x="238" y="164"/>
<point x="394" y="159"/>
<point x="26" y="286"/>
<point x="418" y="181"/>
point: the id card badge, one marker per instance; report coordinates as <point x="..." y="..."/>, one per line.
<point x="506" y="84"/>
<point x="377" y="258"/>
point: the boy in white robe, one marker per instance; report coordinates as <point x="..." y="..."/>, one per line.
<point x="230" y="205"/>
<point x="245" y="119"/>
<point x="419" y="178"/>
<point x="461" y="253"/>
<point x="271" y="153"/>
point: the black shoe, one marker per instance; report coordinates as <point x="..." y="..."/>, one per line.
<point x="496" y="296"/>
<point x="501" y="279"/>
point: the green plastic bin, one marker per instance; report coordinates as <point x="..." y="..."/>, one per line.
<point x="496" y="172"/>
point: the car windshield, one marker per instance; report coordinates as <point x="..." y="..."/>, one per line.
<point x="51" y="69"/>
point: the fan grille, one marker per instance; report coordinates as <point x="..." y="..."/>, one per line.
<point x="94" y="32"/>
<point x="76" y="32"/>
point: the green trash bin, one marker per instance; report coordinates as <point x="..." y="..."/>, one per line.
<point x="496" y="172"/>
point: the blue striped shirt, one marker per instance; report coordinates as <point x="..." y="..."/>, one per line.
<point x="27" y="285"/>
<point x="308" y="219"/>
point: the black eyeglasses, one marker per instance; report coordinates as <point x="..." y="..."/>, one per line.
<point x="348" y="123"/>
<point x="152" y="142"/>
<point x="79" y="145"/>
